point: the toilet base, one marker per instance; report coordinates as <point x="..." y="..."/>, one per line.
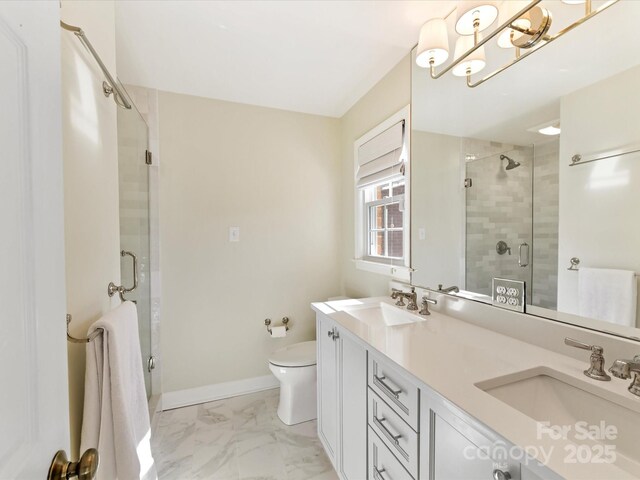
<point x="298" y="401"/>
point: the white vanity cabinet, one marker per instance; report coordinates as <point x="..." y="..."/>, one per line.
<point x="455" y="446"/>
<point x="342" y="398"/>
<point x="378" y="422"/>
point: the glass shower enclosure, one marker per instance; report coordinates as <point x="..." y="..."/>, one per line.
<point x="499" y="214"/>
<point x="133" y="179"/>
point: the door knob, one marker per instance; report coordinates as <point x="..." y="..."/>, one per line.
<point x="85" y="468"/>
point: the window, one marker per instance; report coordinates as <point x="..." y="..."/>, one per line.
<point x="382" y="198"/>
<point x="384" y="209"/>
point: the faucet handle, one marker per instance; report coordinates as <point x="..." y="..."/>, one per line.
<point x="596" y="361"/>
<point x="584" y="346"/>
<point x="425" y="305"/>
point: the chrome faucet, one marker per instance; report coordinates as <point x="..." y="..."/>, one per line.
<point x="596" y="366"/>
<point x="624" y="369"/>
<point x="453" y="289"/>
<point x="411" y="296"/>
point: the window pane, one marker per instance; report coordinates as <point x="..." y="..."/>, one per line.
<point x="394" y="216"/>
<point x="382" y="191"/>
<point x="377" y="246"/>
<point x="395" y="244"/>
<point x="376" y="217"/>
<point x="398" y="187"/>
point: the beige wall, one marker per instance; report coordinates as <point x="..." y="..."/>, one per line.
<point x="90" y="184"/>
<point x="276" y="175"/>
<point x="387" y="97"/>
<point x="436" y="180"/>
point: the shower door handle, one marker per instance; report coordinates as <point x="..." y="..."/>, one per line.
<point x="122" y="289"/>
<point x="523" y="263"/>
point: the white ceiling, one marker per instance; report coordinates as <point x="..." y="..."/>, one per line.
<point x="315" y="57"/>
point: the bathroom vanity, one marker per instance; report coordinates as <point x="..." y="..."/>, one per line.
<point x="404" y="396"/>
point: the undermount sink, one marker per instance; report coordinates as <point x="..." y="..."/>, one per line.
<point x="383" y="314"/>
<point x="563" y="401"/>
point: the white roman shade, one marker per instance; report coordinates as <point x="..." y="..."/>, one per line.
<point x="382" y="157"/>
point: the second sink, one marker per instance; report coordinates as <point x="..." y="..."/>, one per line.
<point x="547" y="395"/>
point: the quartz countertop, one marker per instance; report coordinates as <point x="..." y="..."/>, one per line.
<point x="451" y="356"/>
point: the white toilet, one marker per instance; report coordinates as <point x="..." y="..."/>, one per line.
<point x="295" y="367"/>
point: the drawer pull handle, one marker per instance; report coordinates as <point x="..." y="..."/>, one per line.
<point x="386" y="387"/>
<point x="386" y="431"/>
<point x="378" y="473"/>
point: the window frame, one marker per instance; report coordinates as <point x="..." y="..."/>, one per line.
<point x="368" y="229"/>
<point x="397" y="268"/>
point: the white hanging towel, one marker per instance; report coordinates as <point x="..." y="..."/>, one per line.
<point x="609" y="295"/>
<point x="116" y="415"/>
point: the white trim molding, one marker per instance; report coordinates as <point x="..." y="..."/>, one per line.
<point x="218" y="391"/>
<point x="398" y="272"/>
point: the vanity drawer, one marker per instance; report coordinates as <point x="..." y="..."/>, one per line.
<point x="395" y="388"/>
<point x="394" y="432"/>
<point x="382" y="464"/>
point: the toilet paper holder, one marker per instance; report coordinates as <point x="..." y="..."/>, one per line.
<point x="285" y="321"/>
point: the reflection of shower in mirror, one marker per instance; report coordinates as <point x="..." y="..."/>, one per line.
<point x="511" y="162"/>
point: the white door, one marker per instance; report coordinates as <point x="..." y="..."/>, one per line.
<point x="34" y="412"/>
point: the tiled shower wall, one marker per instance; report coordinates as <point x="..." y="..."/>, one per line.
<point x="545" y="224"/>
<point x="498" y="207"/>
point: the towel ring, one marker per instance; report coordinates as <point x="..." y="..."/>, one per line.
<point x="91" y="336"/>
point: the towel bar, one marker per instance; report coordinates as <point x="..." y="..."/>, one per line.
<point x="92" y="336"/>
<point x="575" y="261"/>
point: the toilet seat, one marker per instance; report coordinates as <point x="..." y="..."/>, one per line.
<point x="297" y="355"/>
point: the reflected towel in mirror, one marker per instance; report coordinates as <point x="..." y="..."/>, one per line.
<point x="607" y="294"/>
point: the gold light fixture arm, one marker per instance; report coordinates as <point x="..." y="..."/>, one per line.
<point x="478" y="44"/>
<point x="548" y="40"/>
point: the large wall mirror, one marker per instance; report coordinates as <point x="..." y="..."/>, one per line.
<point x="525" y="211"/>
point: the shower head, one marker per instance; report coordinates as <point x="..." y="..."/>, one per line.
<point x="511" y="162"/>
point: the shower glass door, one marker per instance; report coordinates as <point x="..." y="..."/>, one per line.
<point x="499" y="214"/>
<point x="133" y="176"/>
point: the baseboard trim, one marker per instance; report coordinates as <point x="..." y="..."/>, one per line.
<point x="218" y="391"/>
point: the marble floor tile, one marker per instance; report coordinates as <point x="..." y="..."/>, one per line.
<point x="239" y="438"/>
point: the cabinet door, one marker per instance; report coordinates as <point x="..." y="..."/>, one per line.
<point x="327" y="386"/>
<point x="455" y="457"/>
<point x="352" y="374"/>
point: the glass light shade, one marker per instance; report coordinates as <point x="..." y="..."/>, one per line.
<point x="472" y="63"/>
<point x="433" y="43"/>
<point x="468" y="10"/>
<point x="507" y="10"/>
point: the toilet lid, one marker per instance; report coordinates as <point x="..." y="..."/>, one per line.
<point x="297" y="355"/>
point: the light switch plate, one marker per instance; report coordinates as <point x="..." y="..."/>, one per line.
<point x="234" y="234"/>
<point x="509" y="294"/>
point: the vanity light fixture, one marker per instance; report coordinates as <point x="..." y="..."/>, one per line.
<point x="523" y="25"/>
<point x="472" y="63"/>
